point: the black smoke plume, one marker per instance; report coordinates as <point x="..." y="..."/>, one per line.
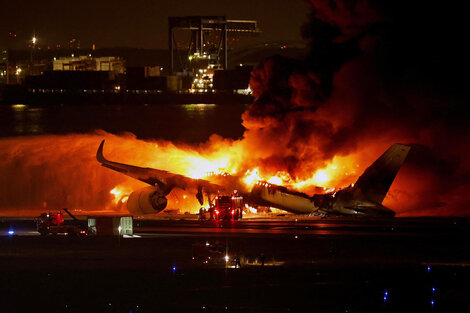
<point x="377" y="73"/>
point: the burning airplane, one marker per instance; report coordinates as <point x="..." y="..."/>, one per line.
<point x="364" y="198"/>
<point x="373" y="75"/>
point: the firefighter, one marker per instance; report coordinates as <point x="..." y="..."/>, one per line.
<point x="211" y="212"/>
<point x="202" y="213"/>
<point x="237" y="262"/>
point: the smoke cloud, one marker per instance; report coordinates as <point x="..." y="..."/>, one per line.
<point x="377" y="74"/>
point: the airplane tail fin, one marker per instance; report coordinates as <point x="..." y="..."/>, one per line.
<point x="376" y="180"/>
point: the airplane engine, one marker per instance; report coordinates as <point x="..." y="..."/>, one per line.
<point x="148" y="200"/>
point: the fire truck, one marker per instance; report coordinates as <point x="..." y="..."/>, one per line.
<point x="227" y="207"/>
<point x="53" y="223"/>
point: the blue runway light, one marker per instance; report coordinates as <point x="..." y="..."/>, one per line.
<point x="429" y="268"/>
<point x="385" y="295"/>
<point x="433" y="289"/>
<point x="11" y="232"/>
<point x="174" y="268"/>
<point x="432" y="303"/>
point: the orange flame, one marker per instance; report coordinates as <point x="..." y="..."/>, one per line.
<point x="120" y="193"/>
<point x="223" y="158"/>
<point x="251" y="177"/>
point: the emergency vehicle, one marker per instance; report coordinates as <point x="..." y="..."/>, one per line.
<point x="227" y="207"/>
<point x="53" y="223"/>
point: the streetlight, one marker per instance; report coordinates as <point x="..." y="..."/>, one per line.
<point x="18" y="72"/>
<point x="34" y="40"/>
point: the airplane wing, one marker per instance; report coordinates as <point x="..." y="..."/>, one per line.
<point x="163" y="179"/>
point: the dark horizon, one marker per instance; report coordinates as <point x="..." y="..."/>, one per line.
<point x="140" y="24"/>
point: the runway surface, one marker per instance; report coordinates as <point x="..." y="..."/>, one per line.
<point x="290" y="240"/>
<point x="308" y="226"/>
<point x="276" y="264"/>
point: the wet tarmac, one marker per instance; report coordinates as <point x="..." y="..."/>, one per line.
<point x="310" y="265"/>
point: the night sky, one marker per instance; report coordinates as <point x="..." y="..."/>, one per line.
<point x="139" y="23"/>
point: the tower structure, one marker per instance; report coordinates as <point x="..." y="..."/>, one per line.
<point x="198" y="45"/>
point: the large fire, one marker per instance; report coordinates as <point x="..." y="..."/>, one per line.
<point x="370" y="80"/>
<point x="221" y="158"/>
<point x="63" y="171"/>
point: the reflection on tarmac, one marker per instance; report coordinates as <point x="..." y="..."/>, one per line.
<point x="276" y="265"/>
<point x="333" y="227"/>
<point x="292" y="225"/>
<point x="291" y="241"/>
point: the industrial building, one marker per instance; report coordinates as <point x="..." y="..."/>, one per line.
<point x="197" y="62"/>
<point x="111" y="64"/>
<point x="3" y="66"/>
<point x="198" y="48"/>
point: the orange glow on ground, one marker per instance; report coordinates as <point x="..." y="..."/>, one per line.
<point x="66" y="174"/>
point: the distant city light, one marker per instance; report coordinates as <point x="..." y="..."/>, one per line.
<point x="34" y="40"/>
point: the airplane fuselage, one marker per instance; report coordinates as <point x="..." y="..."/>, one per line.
<point x="342" y="202"/>
<point x="275" y="196"/>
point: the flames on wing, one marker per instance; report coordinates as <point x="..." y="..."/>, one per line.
<point x="221" y="160"/>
